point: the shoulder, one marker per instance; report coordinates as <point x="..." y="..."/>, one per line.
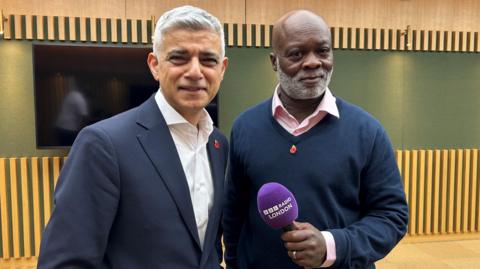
<point x="356" y="116"/>
<point x="254" y="115"/>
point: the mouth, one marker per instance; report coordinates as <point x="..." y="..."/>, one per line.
<point x="191" y="88"/>
<point x="311" y="80"/>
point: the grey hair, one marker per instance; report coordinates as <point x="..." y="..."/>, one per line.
<point x="190" y="18"/>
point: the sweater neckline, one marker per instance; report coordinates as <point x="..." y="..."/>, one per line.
<point x="295" y="140"/>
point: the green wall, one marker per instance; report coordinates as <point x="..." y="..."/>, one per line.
<point x="424" y="100"/>
<point x="17" y="116"/>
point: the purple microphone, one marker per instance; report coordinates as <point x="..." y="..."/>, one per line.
<point x="277" y="206"/>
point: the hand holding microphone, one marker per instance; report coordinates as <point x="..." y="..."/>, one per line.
<point x="278" y="208"/>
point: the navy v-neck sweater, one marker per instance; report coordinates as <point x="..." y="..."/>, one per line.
<point x="344" y="177"/>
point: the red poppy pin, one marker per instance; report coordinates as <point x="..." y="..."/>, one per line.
<point x="216" y="144"/>
<point x="293" y="149"/>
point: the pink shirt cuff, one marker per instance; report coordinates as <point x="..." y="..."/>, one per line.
<point x="331" y="251"/>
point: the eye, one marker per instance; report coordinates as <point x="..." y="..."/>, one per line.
<point x="177" y="59"/>
<point x="323" y="51"/>
<point x="295" y="55"/>
<point x="209" y="61"/>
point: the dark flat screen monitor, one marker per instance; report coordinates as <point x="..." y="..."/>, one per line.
<point x="79" y="85"/>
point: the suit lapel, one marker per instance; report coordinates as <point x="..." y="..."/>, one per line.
<point x="215" y="157"/>
<point x="158" y="144"/>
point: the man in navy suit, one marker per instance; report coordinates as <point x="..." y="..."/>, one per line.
<point x="143" y="189"/>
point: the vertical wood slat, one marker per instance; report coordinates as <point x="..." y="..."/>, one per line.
<point x="458" y="190"/>
<point x="36" y="203"/>
<point x="249" y="35"/>
<point x="144" y="38"/>
<point x="14" y="207"/>
<point x="124" y="31"/>
<point x="476" y="198"/>
<point x="474" y="194"/>
<point x="361" y="38"/>
<point x="463" y="42"/>
<point x="444" y="218"/>
<point x="17" y="30"/>
<point x="4" y="210"/>
<point x="93" y="30"/>
<point x="369" y="38"/>
<point x="470" y="42"/>
<point x="378" y="39"/>
<point x="406" y="182"/>
<point x="436" y="191"/>
<point x="103" y="30"/>
<point x="413" y="192"/>
<point x="344" y="44"/>
<point x="50" y="28"/>
<point x="56" y="170"/>
<point x="134" y="30"/>
<point x="239" y="35"/>
<point x="449" y="39"/>
<point x="29" y="27"/>
<point x="353" y="38"/>
<point x="426" y="40"/>
<point x="465" y="192"/>
<point x="72" y="32"/>
<point x="336" y="38"/>
<point x="61" y="28"/>
<point x="230" y="42"/>
<point x="428" y="192"/>
<point x="451" y="191"/>
<point x="115" y="31"/>
<point x="46" y="190"/>
<point x="83" y="29"/>
<point x="421" y="191"/>
<point x="7" y="33"/>
<point x="258" y="36"/>
<point x="268" y="40"/>
<point x="440" y="41"/>
<point x="25" y="208"/>
<point x="394" y="40"/>
<point x="39" y="29"/>
<point x="433" y="40"/>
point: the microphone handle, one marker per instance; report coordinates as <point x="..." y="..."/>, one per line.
<point x="288" y="228"/>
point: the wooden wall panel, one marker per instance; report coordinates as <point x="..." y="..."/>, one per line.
<point x="227" y="11"/>
<point x="450" y="15"/>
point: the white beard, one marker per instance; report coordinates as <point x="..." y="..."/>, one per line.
<point x="293" y="87"/>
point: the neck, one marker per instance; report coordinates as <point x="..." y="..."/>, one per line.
<point x="192" y="118"/>
<point x="299" y="108"/>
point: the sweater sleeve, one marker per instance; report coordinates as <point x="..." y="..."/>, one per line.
<point x="384" y="211"/>
<point x="236" y="201"/>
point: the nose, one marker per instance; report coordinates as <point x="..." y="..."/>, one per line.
<point x="194" y="71"/>
<point x="312" y="61"/>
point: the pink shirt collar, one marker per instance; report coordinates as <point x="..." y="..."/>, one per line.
<point x="328" y="105"/>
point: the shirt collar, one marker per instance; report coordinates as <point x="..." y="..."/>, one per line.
<point x="328" y="104"/>
<point x="172" y="117"/>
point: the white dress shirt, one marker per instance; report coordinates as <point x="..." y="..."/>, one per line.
<point x="191" y="143"/>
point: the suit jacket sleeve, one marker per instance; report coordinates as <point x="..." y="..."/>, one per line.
<point x="384" y="209"/>
<point x="86" y="199"/>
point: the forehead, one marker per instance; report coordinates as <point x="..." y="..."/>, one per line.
<point x="203" y="40"/>
<point x="297" y="31"/>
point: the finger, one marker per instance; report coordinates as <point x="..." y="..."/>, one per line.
<point x="298" y="246"/>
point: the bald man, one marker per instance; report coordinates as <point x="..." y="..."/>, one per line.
<point x="335" y="158"/>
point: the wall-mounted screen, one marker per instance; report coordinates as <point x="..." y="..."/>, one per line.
<point x="78" y="85"/>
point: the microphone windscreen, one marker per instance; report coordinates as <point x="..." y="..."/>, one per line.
<point x="276" y="205"/>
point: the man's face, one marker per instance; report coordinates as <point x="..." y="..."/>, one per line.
<point x="189" y="69"/>
<point x="303" y="58"/>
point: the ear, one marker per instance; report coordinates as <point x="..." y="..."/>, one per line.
<point x="224" y="66"/>
<point x="273" y="60"/>
<point x="152" y="62"/>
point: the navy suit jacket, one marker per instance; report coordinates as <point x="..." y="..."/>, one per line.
<point x="122" y="199"/>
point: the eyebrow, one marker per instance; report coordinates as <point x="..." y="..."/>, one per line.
<point x="202" y="54"/>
